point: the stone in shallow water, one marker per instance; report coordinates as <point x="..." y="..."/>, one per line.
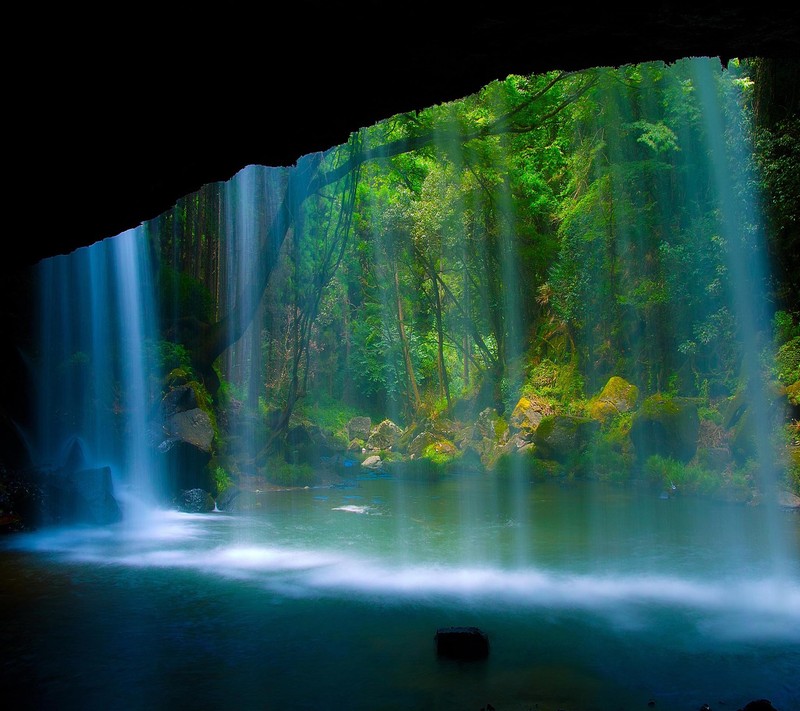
<point x="462" y="643"/>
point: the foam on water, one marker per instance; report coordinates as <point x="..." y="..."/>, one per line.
<point x="724" y="607"/>
<point x="352" y="508"/>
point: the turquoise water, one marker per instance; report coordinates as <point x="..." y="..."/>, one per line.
<point x="592" y="597"/>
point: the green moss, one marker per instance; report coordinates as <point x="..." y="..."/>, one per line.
<point x="283" y="473"/>
<point x="563" y="383"/>
<point x="792" y="478"/>
<point x="660" y="403"/>
<point x="442" y="452"/>
<point x="328" y="415"/>
<point x="787" y="362"/>
<point x="222" y="480"/>
<point x="169" y="357"/>
<point x="420" y="469"/>
<point x="617" y="396"/>
<point x="793" y="393"/>
<point x="696" y="479"/>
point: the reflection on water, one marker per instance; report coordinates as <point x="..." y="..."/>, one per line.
<point x="618" y="596"/>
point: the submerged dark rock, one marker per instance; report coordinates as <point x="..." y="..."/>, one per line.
<point x="465" y="643"/>
<point x="759" y="705"/>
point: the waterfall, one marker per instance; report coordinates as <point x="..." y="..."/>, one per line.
<point x="97" y="381"/>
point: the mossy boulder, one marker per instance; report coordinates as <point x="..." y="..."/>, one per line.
<point x="441" y="451"/>
<point x="491" y="425"/>
<point x="793" y="394"/>
<point x="358" y="428"/>
<point x="528" y="413"/>
<point x="184" y="435"/>
<point x="750" y="418"/>
<point x="617" y="396"/>
<point x="483" y="439"/>
<point x="419" y="443"/>
<point x="666" y="426"/>
<point x="561" y="437"/>
<point x="385" y="435"/>
<point x="787" y="361"/>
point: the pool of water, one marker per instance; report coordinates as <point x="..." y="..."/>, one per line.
<point x="592" y="597"/>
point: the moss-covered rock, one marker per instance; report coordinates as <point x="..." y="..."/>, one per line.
<point x="793" y="394"/>
<point x="441" y="451"/>
<point x="385" y="435"/>
<point x="483" y="439"/>
<point x="528" y="413"/>
<point x="562" y="437"/>
<point x="617" y="396"/>
<point x="666" y="426"/>
<point x="418" y="445"/>
<point x="787" y="361"/>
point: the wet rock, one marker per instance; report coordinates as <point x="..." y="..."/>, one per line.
<point x="759" y="705"/>
<point x="372" y="462"/>
<point x="385" y="436"/>
<point x="490" y="425"/>
<point x="194" y="501"/>
<point x="419" y="443"/>
<point x="617" y="396"/>
<point x="235" y="499"/>
<point x="561" y="437"/>
<point x="745" y="423"/>
<point x="179" y="399"/>
<point x="464" y="643"/>
<point x="528" y="414"/>
<point x="358" y="428"/>
<point x="788" y="500"/>
<point x="193" y="427"/>
<point x="84" y="496"/>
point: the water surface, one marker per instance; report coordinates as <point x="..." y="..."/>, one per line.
<point x="593" y="598"/>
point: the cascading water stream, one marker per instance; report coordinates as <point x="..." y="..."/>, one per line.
<point x="97" y="322"/>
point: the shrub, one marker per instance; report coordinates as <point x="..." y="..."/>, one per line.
<point x="283" y="473"/>
<point x="222" y="479"/>
<point x="787" y="362"/>
<point x="690" y="478"/>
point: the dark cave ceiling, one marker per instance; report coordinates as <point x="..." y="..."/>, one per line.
<point x="108" y="127"/>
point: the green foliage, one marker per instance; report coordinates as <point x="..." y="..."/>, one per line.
<point x="222" y="480"/>
<point x="440" y="453"/>
<point x="283" y="473"/>
<point x="182" y="294"/>
<point x="657" y="136"/>
<point x="328" y="414"/>
<point x="171" y="358"/>
<point x="792" y="476"/>
<point x="605" y="460"/>
<point x="695" y="479"/>
<point x="787" y="362"/>
<point x="564" y="383"/>
<point x="786" y="326"/>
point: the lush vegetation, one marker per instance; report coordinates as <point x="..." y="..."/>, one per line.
<point x="531" y="242"/>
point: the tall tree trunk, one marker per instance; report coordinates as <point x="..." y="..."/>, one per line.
<point x="444" y="384"/>
<point x="412" y="390"/>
